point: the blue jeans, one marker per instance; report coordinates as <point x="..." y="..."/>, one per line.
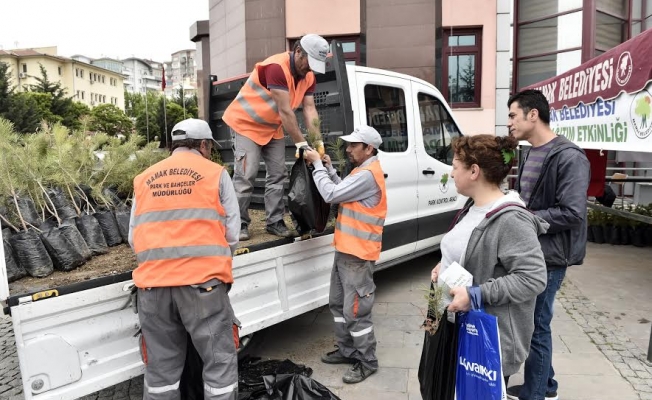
<point x="539" y="374"/>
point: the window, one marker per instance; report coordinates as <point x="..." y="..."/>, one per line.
<point x="462" y="67"/>
<point x="81" y="73"/>
<point x="437" y="127"/>
<point x="386" y="112"/>
<point x="350" y="47"/>
<point x="25" y="68"/>
<point x="83" y="93"/>
<point x="60" y="72"/>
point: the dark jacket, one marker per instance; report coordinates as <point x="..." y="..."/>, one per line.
<point x="559" y="197"/>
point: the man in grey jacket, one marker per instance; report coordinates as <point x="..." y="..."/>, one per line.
<point x="553" y="179"/>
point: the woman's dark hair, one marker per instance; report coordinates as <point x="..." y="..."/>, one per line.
<point x="486" y="151"/>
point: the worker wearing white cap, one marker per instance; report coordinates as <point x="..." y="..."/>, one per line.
<point x="263" y="109"/>
<point x="358" y="236"/>
<point x="184" y="228"/>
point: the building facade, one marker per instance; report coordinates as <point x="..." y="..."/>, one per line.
<point x="554" y="36"/>
<point x="85" y="82"/>
<point x="471" y="70"/>
<point x="181" y="72"/>
<point x="142" y="75"/>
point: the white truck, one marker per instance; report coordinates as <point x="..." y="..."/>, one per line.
<point x="78" y="339"/>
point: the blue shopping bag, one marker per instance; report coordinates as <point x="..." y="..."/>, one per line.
<point x="479" y="368"/>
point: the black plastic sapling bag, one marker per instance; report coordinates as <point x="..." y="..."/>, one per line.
<point x="308" y="208"/>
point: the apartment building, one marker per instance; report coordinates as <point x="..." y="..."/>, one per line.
<point x="181" y="72"/>
<point x="142" y="75"/>
<point x="85" y="82"/>
<point x="461" y="46"/>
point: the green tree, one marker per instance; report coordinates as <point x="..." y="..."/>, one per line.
<point x="60" y="102"/>
<point x="173" y="115"/>
<point x="189" y="102"/>
<point x="111" y="120"/>
<point x="72" y="118"/>
<point x="24" y="112"/>
<point x="6" y="90"/>
<point x="44" y="103"/>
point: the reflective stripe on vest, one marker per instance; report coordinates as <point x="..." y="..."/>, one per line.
<point x="359" y="229"/>
<point x="369" y="219"/>
<point x="170" y="253"/>
<point x="254" y="113"/>
<point x="374" y="237"/>
<point x="180" y="246"/>
<point x="240" y="98"/>
<point x="184" y="213"/>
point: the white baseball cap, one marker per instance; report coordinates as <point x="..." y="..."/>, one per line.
<point x="317" y="49"/>
<point x="364" y="134"/>
<point x="192" y="128"/>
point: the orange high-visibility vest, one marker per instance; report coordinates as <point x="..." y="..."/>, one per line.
<point x="359" y="229"/>
<point x="254" y="113"/>
<point x="179" y="233"/>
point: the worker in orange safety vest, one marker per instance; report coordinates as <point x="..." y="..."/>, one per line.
<point x="358" y="237"/>
<point x="263" y="108"/>
<point x="184" y="228"/>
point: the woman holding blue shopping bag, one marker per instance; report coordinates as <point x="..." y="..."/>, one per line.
<point x="494" y="237"/>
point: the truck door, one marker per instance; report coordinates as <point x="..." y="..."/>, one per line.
<point x="383" y="103"/>
<point x="438" y="200"/>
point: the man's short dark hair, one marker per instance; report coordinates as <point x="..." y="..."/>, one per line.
<point x="373" y="153"/>
<point x="189" y="143"/>
<point x="532" y="100"/>
<point x="297" y="45"/>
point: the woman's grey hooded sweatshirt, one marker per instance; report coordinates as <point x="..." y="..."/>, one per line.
<point x="505" y="258"/>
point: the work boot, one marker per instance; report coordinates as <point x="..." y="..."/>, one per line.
<point x="244" y="232"/>
<point x="335" y="357"/>
<point x="279" y="229"/>
<point x="357" y="373"/>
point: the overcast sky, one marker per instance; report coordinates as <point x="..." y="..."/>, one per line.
<point x="112" y="28"/>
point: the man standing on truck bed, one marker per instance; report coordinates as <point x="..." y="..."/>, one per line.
<point x="553" y="179"/>
<point x="358" y="234"/>
<point x="263" y="108"/>
<point x="184" y="227"/>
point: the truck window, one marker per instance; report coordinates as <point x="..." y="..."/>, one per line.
<point x="386" y="112"/>
<point x="437" y="127"/>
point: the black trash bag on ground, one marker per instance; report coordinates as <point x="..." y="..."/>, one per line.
<point x="28" y="211"/>
<point x="308" y="208"/>
<point x="61" y="203"/>
<point x="62" y="250"/>
<point x="77" y="239"/>
<point x="295" y="387"/>
<point x="122" y="219"/>
<point x="91" y="231"/>
<point x="109" y="227"/>
<point x="14" y="270"/>
<point x="438" y="360"/>
<point x="31" y="253"/>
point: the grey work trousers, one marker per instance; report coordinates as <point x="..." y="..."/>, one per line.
<point x="247" y="155"/>
<point x="165" y="314"/>
<point x="351" y="299"/>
